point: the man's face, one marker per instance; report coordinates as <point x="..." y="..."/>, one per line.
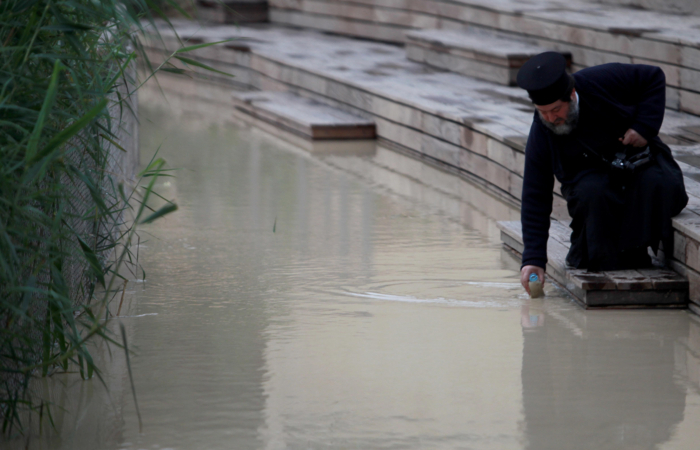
<point x="554" y="113"/>
<point x="560" y="116"/>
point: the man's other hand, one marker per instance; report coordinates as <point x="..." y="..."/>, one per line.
<point x="633" y="138"/>
<point x="525" y="276"/>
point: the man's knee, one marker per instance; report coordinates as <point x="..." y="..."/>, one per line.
<point x="592" y="191"/>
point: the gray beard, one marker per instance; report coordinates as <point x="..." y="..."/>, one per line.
<point x="569" y="124"/>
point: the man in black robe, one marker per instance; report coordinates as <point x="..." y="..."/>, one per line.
<point x="583" y="123"/>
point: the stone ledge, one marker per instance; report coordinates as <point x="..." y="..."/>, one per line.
<point x="304" y="116"/>
<point x="479" y="55"/>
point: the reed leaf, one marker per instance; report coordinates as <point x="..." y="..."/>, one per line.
<point x="66" y="85"/>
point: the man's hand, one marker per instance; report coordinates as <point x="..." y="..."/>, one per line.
<point x="525" y="276"/>
<point x="633" y="138"/>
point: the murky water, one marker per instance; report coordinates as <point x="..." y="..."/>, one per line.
<point x="311" y="301"/>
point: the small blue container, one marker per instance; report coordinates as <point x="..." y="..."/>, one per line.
<point x="535" y="286"/>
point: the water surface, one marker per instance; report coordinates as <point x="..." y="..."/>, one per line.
<point x="359" y="299"/>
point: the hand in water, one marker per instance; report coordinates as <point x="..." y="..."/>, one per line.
<point x="525" y="276"/>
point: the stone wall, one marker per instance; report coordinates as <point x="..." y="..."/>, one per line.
<point x="114" y="167"/>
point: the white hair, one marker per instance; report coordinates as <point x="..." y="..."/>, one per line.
<point x="569" y="123"/>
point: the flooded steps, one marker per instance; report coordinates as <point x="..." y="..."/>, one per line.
<point x="644" y="288"/>
<point x="304" y="116"/>
<point x="478" y="55"/>
<point x="469" y="125"/>
<point x="593" y="33"/>
<point x="474" y="128"/>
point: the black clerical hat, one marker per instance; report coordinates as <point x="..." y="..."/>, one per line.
<point x="544" y="77"/>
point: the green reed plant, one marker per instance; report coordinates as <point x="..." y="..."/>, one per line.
<point x="67" y="213"/>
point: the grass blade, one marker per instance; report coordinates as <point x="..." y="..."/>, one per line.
<point x="45" y="108"/>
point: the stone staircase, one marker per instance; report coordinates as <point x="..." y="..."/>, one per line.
<point x="593" y="33"/>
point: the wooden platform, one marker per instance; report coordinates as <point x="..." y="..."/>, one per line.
<point x="476" y="54"/>
<point x="304" y="116"/>
<point x="643" y="288"/>
<point x="238" y="11"/>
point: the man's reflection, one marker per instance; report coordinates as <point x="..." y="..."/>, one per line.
<point x="599" y="379"/>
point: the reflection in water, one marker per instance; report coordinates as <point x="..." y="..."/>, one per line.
<point x="600" y="379"/>
<point x="358" y="300"/>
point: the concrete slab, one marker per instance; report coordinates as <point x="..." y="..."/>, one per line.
<point x="304" y="116"/>
<point x="475" y="54"/>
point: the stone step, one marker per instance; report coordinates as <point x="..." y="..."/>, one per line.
<point x="238" y="11"/>
<point x="304" y="116"/>
<point x="476" y="54"/>
<point x="593" y="33"/>
<point x="643" y="288"/>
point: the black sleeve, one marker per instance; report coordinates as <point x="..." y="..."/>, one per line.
<point x="538" y="184"/>
<point x="638" y="85"/>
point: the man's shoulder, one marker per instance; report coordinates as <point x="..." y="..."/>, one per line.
<point x="601" y="71"/>
<point x="616" y="72"/>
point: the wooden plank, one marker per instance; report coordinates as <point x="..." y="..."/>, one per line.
<point x="626" y="280"/>
<point x="637" y="299"/>
<point x="583" y="279"/>
<point x="665" y="279"/>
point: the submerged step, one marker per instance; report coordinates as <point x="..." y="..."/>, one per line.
<point x="238" y="11"/>
<point x="477" y="55"/>
<point x="643" y="288"/>
<point x="304" y="116"/>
